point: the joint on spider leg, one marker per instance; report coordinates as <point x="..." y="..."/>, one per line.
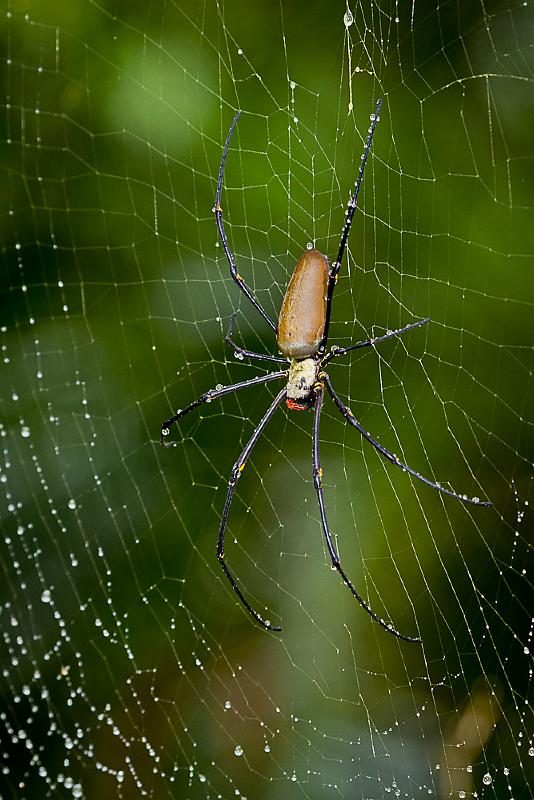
<point x="318" y="477"/>
<point x="334" y="270"/>
<point x="237" y="469"/>
<point x="217" y="208"/>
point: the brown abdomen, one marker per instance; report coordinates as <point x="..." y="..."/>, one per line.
<point x="303" y="313"/>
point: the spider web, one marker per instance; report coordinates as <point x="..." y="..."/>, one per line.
<point x="128" y="667"/>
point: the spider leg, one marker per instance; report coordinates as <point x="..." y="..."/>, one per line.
<point x="213" y="394"/>
<point x="349" y="416"/>
<point x="220" y="227"/>
<point x="349" y="214"/>
<point x="241" y="354"/>
<point x="237" y="469"/>
<point x="339" y="351"/>
<point x="317" y="480"/>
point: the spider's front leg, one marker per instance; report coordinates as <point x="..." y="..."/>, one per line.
<point x="318" y="483"/>
<point x="391" y="457"/>
<point x="234" y="477"/>
<point x="213" y="394"/>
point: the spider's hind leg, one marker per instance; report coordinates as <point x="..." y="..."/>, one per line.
<point x="236" y="277"/>
<point x="336" y="351"/>
<point x="241" y="353"/>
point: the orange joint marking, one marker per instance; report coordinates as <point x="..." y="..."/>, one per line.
<point x="242" y="467"/>
<point x="238" y="277"/>
<point x="349" y="412"/>
<point x="218" y="207"/>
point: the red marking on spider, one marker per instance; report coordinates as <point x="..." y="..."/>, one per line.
<point x="297" y="406"/>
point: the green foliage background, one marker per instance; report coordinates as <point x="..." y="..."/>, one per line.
<point x="112" y="131"/>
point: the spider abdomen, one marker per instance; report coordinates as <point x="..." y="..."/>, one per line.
<point x="303" y="314"/>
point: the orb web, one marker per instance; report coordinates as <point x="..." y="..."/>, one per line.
<point x="128" y="667"/>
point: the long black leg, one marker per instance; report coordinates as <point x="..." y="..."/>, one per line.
<point x="213" y="394"/>
<point x="237" y="469"/>
<point x="241" y="354"/>
<point x="349" y="214"/>
<point x="339" y="351"/>
<point x="349" y="416"/>
<point x="220" y="227"/>
<point x="317" y="480"/>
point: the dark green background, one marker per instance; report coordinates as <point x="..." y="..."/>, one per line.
<point x="113" y="125"/>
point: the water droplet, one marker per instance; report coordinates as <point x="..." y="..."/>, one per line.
<point x="228" y="704"/>
<point x="476" y="499"/>
<point x="309" y="246"/>
<point x="25" y="432"/>
<point x="72" y="504"/>
<point x="45" y="596"/>
<point x="292" y="85"/>
<point x="486" y="779"/>
<point x="219" y="387"/>
<point x="164" y="431"/>
<point x="531" y="751"/>
<point x="267" y="749"/>
<point x="348" y="19"/>
<point x="238" y="750"/>
<point x="202" y="778"/>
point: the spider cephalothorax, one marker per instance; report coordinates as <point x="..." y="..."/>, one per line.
<point x="302" y="335"/>
<point x="301" y="380"/>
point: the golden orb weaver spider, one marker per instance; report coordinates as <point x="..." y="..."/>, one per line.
<point x="302" y="335"/>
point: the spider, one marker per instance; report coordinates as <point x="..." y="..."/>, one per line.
<point x="302" y="336"/>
